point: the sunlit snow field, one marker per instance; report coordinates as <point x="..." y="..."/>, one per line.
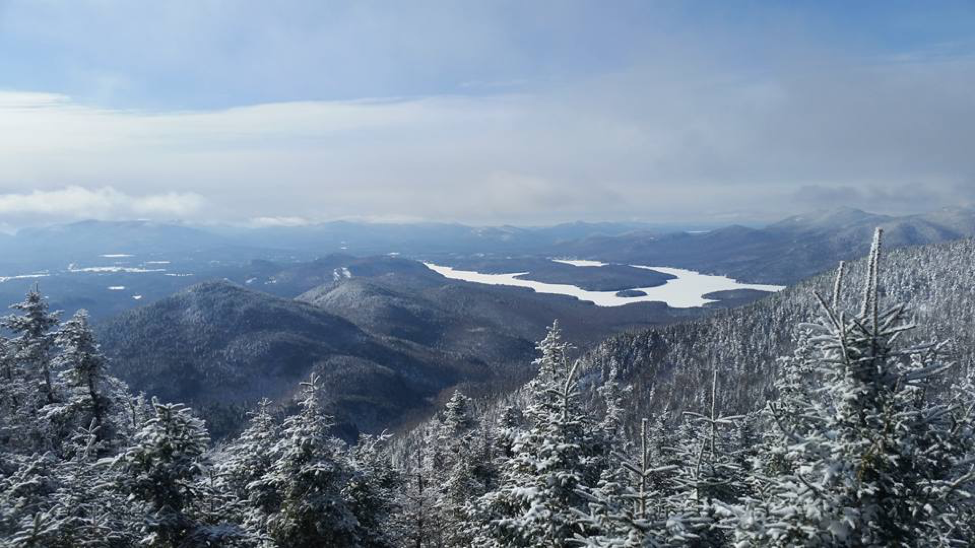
<point x="687" y="290"/>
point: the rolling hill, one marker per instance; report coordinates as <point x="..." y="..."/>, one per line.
<point x="216" y="345"/>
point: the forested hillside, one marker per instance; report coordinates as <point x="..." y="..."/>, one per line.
<point x="222" y="348"/>
<point x="668" y="365"/>
<point x="845" y="425"/>
<point x="387" y="335"/>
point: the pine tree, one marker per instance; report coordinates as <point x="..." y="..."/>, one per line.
<point x="161" y="470"/>
<point x="535" y="502"/>
<point x="371" y="491"/>
<point x="417" y="499"/>
<point x="709" y="476"/>
<point x="627" y="508"/>
<point x="460" y="477"/>
<point x="248" y="459"/>
<point x="33" y="341"/>
<point x="871" y="457"/>
<point x="307" y="506"/>
<point x="89" y="401"/>
<point x="29" y="386"/>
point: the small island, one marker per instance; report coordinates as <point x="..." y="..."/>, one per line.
<point x="631" y="293"/>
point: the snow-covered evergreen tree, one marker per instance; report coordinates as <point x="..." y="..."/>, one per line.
<point x="371" y="491"/>
<point x="302" y="495"/>
<point x="161" y="471"/>
<point x="628" y="507"/>
<point x="536" y="500"/>
<point x="866" y="455"/>
<point x="29" y="382"/>
<point x="459" y="473"/>
<point x="708" y="477"/>
<point x="89" y="395"/>
<point x="33" y="340"/>
<point x="245" y="463"/>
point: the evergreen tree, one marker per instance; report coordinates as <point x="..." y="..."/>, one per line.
<point x="161" y="471"/>
<point x="535" y="502"/>
<point x="459" y="474"/>
<point x="870" y="457"/>
<point x="29" y="386"/>
<point x="708" y="477"/>
<point x="89" y="400"/>
<point x="371" y="491"/>
<point x="627" y="508"/>
<point x="306" y="505"/>
<point x="246" y="463"/>
<point x="33" y="341"/>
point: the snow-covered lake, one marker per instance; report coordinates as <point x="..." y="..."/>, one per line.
<point x="687" y="290"/>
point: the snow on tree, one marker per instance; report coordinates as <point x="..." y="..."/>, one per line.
<point x="244" y="464"/>
<point x="866" y="453"/>
<point x="27" y="367"/>
<point x="627" y="508"/>
<point x="535" y="501"/>
<point x="90" y="397"/>
<point x="304" y="503"/>
<point x="33" y="339"/>
<point x="709" y="475"/>
<point x="459" y="474"/>
<point x="371" y="491"/>
<point x="161" y="471"/>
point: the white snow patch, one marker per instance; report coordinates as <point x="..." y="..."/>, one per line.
<point x="137" y="297"/>
<point x="116" y="287"/>
<point x="116" y="255"/>
<point x="579" y="262"/>
<point x="22" y="277"/>
<point x="157" y="262"/>
<point x="687" y="290"/>
<point x="177" y="275"/>
<point x="73" y="268"/>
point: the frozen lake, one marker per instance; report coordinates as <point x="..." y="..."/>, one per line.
<point x="686" y="290"/>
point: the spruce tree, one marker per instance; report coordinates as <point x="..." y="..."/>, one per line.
<point x="305" y="504"/>
<point x="536" y="500"/>
<point x="89" y="401"/>
<point x="33" y="340"/>
<point x="161" y="470"/>
<point x="865" y="453"/>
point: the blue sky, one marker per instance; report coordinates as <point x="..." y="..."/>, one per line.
<point x="484" y="112"/>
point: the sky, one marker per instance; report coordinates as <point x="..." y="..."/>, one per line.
<point x="482" y="112"/>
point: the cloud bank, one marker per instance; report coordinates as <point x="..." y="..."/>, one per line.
<point x="522" y="114"/>
<point x="101" y="203"/>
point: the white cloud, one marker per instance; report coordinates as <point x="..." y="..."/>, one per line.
<point x="261" y="222"/>
<point x="659" y="142"/>
<point x="101" y="203"/>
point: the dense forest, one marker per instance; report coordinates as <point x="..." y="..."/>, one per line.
<point x="839" y="418"/>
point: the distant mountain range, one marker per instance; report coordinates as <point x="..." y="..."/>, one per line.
<point x="781" y="253"/>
